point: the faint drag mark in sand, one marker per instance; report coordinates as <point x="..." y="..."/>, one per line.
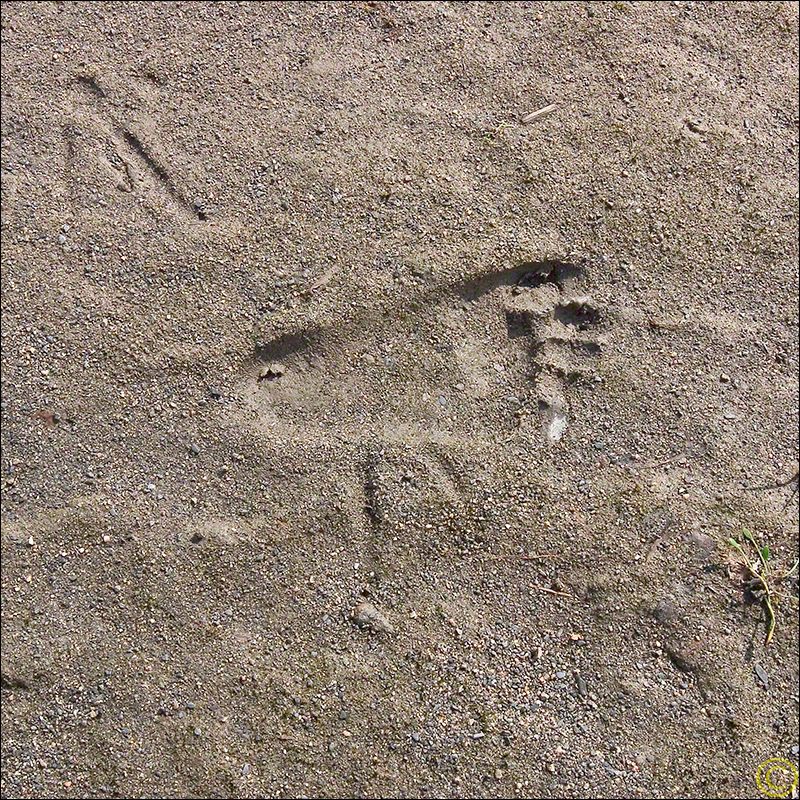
<point x="95" y="135"/>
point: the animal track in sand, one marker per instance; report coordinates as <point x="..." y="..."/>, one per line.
<point x="419" y="393"/>
<point x="472" y="361"/>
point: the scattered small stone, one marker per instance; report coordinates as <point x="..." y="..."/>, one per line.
<point x="197" y="732"/>
<point x="561" y="675"/>
<point x="215" y="392"/>
<point x="581" y="684"/>
<point x="724" y="378"/>
<point x="197" y="538"/>
<point x="272" y="372"/>
<point x="365" y="615"/>
<point x="665" y="611"/>
<point x="761" y="674"/>
<point x="194" y="450"/>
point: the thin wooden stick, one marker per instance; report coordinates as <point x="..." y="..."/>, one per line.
<point x="522" y="558"/>
<point x="552" y="591"/>
<point x="542" y="112"/>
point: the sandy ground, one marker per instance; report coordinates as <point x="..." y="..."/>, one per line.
<point x="360" y="439"/>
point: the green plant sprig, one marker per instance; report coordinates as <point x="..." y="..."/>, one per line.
<point x="761" y="576"/>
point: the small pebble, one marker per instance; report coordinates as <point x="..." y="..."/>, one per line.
<point x="365" y="615"/>
<point x="272" y="372"/>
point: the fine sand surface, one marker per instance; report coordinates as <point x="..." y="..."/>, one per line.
<point x="362" y="437"/>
